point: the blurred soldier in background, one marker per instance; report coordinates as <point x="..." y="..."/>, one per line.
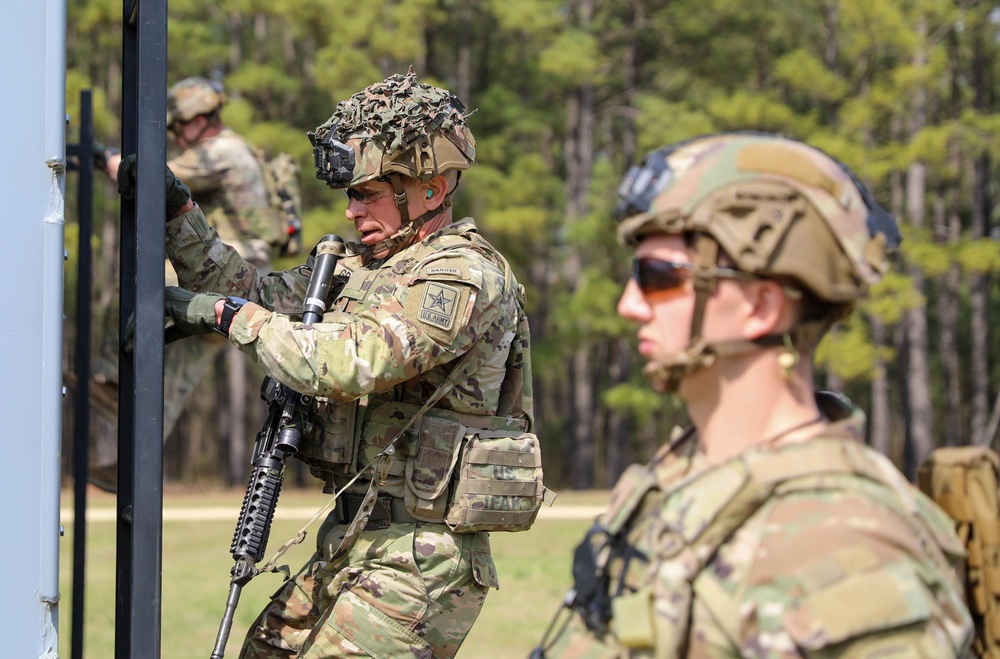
<point x="768" y="529"/>
<point x="226" y="175"/>
<point x="426" y="334"/>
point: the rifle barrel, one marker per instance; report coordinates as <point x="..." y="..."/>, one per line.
<point x="227" y="621"/>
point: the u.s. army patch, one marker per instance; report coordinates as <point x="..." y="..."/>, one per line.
<point x="439" y="305"/>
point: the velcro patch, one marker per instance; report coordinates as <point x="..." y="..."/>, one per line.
<point x="439" y="305"/>
<point x="443" y="271"/>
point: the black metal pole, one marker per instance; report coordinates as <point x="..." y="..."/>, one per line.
<point x="81" y="405"/>
<point x="140" y="411"/>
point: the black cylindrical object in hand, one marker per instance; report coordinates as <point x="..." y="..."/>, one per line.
<point x="328" y="252"/>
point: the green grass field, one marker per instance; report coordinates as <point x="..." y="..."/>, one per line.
<point x="534" y="569"/>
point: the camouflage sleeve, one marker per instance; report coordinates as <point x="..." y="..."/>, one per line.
<point x="817" y="574"/>
<point x="422" y="321"/>
<point x="194" y="168"/>
<point x="205" y="264"/>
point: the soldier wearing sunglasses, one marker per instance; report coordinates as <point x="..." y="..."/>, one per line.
<point x="767" y="529"/>
<point x="419" y="366"/>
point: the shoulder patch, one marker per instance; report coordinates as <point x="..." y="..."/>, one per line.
<point x="439" y="305"/>
<point x="443" y="271"/>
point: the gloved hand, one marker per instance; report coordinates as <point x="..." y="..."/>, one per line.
<point x="177" y="195"/>
<point x="100" y="154"/>
<point x="192" y="313"/>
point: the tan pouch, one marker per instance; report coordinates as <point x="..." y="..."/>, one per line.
<point x="330" y="446"/>
<point x="499" y="483"/>
<point x="429" y="469"/>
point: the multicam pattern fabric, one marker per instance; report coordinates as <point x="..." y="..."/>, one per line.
<point x="227" y="181"/>
<point x="814" y="549"/>
<point x="392" y="336"/>
<point x="410" y="590"/>
<point x="193" y="96"/>
<point x="711" y="176"/>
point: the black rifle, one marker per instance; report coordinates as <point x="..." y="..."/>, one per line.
<point x="278" y="439"/>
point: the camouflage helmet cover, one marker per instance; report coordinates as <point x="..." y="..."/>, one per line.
<point x="192" y="97"/>
<point x="776" y="206"/>
<point x="401" y="126"/>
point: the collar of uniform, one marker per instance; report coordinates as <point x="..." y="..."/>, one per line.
<point x="729" y="489"/>
<point x="456" y="228"/>
<point x="463" y="226"/>
<point x="846" y="419"/>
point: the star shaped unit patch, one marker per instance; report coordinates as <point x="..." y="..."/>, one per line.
<point x="439" y="305"/>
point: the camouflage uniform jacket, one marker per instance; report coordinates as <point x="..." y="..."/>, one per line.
<point x="812" y="549"/>
<point x="390" y="338"/>
<point x="227" y="180"/>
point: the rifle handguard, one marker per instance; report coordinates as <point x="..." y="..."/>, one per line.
<point x="259" y="503"/>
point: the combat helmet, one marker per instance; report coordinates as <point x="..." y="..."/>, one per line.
<point x="777" y="209"/>
<point x="192" y="97"/>
<point x="394" y="128"/>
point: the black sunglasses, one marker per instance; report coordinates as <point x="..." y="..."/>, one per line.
<point x="356" y="195"/>
<point x="656" y="275"/>
<point x="368" y="197"/>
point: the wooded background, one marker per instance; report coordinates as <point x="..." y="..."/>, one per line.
<point x="568" y="94"/>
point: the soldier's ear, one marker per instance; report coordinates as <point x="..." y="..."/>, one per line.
<point x="437" y="188"/>
<point x="769" y="310"/>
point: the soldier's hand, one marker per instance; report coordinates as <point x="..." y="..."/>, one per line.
<point x="100" y="154"/>
<point x="177" y="193"/>
<point x="126" y="176"/>
<point x="192" y="313"/>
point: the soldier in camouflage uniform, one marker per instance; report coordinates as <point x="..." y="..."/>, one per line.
<point x="422" y="303"/>
<point x="224" y="173"/>
<point x="222" y="170"/>
<point x="768" y="529"/>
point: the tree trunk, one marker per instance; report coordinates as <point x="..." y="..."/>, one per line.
<point x="921" y="418"/>
<point x="978" y="229"/>
<point x="464" y="64"/>
<point x="879" y="419"/>
<point x="235" y="40"/>
<point x="947" y="308"/>
<point x="579" y="151"/>
<point x="619" y="441"/>
<point x="630" y="75"/>
<point x="979" y="311"/>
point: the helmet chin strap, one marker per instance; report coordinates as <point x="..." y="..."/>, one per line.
<point x="666" y="378"/>
<point x="408" y="228"/>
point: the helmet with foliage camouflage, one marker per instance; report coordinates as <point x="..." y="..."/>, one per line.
<point x="192" y="97"/>
<point x="776" y="208"/>
<point x="399" y="126"/>
<point x="391" y="129"/>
